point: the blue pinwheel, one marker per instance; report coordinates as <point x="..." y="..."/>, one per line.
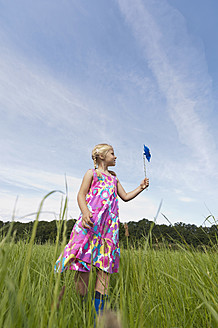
<point x="147" y="153"/>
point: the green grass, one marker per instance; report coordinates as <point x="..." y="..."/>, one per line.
<point x="154" y="288"/>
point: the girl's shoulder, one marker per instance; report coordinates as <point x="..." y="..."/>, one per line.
<point x="90" y="172"/>
<point x="88" y="175"/>
<point x="112" y="173"/>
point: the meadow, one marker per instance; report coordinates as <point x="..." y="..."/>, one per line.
<point x="154" y="288"/>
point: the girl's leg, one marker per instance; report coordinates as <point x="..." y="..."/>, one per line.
<point x="102" y="282"/>
<point x="101" y="290"/>
<point x="81" y="282"/>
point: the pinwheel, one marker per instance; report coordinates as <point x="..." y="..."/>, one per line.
<point x="147" y="155"/>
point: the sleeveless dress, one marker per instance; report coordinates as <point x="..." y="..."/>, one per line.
<point x="98" y="245"/>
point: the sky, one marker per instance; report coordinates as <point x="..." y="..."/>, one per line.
<point x="75" y="73"/>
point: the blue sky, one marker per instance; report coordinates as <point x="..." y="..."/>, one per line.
<point x="78" y="73"/>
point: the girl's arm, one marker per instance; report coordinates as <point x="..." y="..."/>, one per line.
<point x="126" y="196"/>
<point x="81" y="198"/>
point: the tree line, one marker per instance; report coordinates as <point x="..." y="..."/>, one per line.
<point x="131" y="233"/>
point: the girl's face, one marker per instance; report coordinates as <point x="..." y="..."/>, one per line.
<point x="110" y="158"/>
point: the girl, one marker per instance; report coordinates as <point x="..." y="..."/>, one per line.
<point x="94" y="239"/>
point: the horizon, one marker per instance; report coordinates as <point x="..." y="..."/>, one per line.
<point x="169" y="224"/>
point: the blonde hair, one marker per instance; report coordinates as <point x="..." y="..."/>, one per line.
<point x="100" y="150"/>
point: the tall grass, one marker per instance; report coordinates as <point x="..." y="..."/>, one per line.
<point x="154" y="288"/>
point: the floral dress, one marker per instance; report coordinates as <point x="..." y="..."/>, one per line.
<point x="98" y="245"/>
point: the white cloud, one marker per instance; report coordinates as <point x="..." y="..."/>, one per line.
<point x="30" y="186"/>
<point x="31" y="92"/>
<point x="27" y="178"/>
<point x="179" y="69"/>
<point x="137" y="209"/>
<point x="186" y="199"/>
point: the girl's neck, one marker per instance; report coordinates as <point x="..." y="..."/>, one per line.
<point x="103" y="168"/>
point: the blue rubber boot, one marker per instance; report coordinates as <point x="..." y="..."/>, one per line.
<point x="99" y="301"/>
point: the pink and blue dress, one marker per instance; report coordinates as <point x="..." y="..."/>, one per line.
<point x="98" y="245"/>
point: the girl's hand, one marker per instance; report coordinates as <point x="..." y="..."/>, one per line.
<point x="86" y="221"/>
<point x="145" y="183"/>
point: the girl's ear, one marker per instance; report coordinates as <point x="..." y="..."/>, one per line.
<point x="101" y="157"/>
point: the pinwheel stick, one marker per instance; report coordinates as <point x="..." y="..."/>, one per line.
<point x="144" y="166"/>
